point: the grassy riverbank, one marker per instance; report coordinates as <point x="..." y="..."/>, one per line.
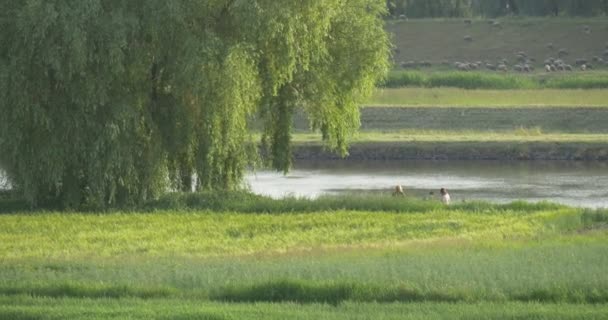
<point x="518" y="136"/>
<point x="496" y="81"/>
<point x="377" y="257"/>
<point x="425" y="117"/>
<point x="522" y="144"/>
<point x="452" y="97"/>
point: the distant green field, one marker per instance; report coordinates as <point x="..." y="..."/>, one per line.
<point x="546" y="119"/>
<point x="468" y="260"/>
<point x="450" y="97"/>
<point x="496" y="81"/>
<point x="436" y="40"/>
<point x="521" y="135"/>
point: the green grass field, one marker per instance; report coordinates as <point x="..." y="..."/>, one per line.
<point x="496" y="81"/>
<point x="520" y="135"/>
<point x="379" y="257"/>
<point x="420" y="144"/>
<point x="451" y="97"/>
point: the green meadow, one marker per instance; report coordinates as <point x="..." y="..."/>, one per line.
<point x="516" y="98"/>
<point x="476" y="80"/>
<point x="519" y="135"/>
<point x="334" y="258"/>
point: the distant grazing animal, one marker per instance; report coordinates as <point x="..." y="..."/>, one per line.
<point x="587" y="29"/>
<point x="518" y="68"/>
<point x="398" y="191"/>
<point x="445" y="196"/>
<point x="463" y="67"/>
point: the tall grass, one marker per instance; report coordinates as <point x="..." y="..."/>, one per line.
<point x="346" y="264"/>
<point x="246" y="202"/>
<point x="209" y="234"/>
<point x="484" y="80"/>
<point x="27" y="308"/>
<point x="565" y="270"/>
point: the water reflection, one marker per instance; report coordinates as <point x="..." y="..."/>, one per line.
<point x="573" y="183"/>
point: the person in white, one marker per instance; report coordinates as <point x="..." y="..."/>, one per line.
<point x="398" y="191"/>
<point x="445" y="196"/>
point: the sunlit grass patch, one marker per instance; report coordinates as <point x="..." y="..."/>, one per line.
<point x="518" y="135"/>
<point x="208" y="224"/>
<point x="444" y="97"/>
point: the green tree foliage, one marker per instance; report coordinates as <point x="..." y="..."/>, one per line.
<point x="107" y="102"/>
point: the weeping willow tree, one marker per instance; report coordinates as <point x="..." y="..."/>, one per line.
<point x="106" y="102"/>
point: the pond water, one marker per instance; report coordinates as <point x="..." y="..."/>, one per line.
<point x="582" y="184"/>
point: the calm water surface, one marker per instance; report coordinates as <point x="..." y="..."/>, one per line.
<point x="573" y="183"/>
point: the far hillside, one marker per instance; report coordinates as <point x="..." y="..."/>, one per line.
<point x="446" y="41"/>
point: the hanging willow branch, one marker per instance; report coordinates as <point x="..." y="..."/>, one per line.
<point x="106" y="102"/>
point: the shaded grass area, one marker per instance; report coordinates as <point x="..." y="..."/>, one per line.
<point x="88" y="290"/>
<point x="520" y="144"/>
<point x="43" y="308"/>
<point x="462" y="118"/>
<point x="459" y="150"/>
<point x="452" y="97"/>
<point x="496" y="81"/>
